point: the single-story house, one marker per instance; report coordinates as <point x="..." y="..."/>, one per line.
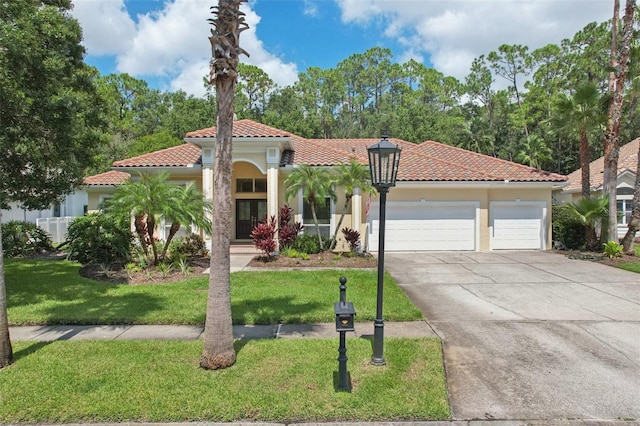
<point x="446" y="198"/>
<point x="625" y="184"/>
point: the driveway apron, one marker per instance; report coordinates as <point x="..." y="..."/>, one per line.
<point x="530" y="335"/>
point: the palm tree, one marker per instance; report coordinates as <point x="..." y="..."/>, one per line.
<point x="350" y="176"/>
<point x="218" y="350"/>
<point x="534" y="151"/>
<point x="316" y="184"/>
<point x="147" y="200"/>
<point x="592" y="213"/>
<point x="188" y="207"/>
<point x="581" y="114"/>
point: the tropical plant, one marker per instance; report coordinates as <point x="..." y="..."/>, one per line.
<point x="612" y="249"/>
<point x="287" y="231"/>
<point x="353" y="238"/>
<point x="351" y="177"/>
<point x="567" y="229"/>
<point x="21" y="238"/>
<point x="189" y="207"/>
<point x="229" y="22"/>
<point x="264" y="237"/>
<point x="593" y="213"/>
<point x="580" y="115"/>
<point x="316" y="185"/>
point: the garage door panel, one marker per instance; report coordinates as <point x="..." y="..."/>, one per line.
<point x="517" y="226"/>
<point x="425" y="227"/>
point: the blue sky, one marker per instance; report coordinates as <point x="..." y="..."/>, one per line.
<point x="165" y="41"/>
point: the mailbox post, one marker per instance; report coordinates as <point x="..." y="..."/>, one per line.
<point x="345" y="314"/>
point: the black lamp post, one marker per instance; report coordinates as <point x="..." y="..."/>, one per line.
<point x="384" y="158"/>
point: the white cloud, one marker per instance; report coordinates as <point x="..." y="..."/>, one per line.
<point x="106" y="25"/>
<point x="453" y="33"/>
<point x="171" y="43"/>
<point x="310" y="8"/>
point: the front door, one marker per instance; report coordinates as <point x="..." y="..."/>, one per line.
<point x="248" y="214"/>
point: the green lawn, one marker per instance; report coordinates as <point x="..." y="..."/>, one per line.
<point x="52" y="292"/>
<point x="272" y="380"/>
<point x="631" y="266"/>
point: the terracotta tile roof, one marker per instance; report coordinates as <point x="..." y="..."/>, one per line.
<point x="178" y="156"/>
<point x="428" y="161"/>
<point x="112" y="177"/>
<point x="445" y="162"/>
<point x="243" y="129"/>
<point x="627" y="160"/>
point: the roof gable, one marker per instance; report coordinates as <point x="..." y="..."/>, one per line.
<point x="243" y="129"/>
<point x="627" y="162"/>
<point x="112" y="177"/>
<point x="184" y="155"/>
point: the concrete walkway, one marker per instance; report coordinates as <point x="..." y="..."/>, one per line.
<point x="187" y="332"/>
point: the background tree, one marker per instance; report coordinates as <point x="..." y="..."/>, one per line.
<point x="229" y="22"/>
<point x="316" y="185"/>
<point x="580" y="115"/>
<point x="619" y="67"/>
<point x="50" y="113"/>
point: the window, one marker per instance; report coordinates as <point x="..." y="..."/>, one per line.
<point x="324" y="218"/>
<point x="251" y="185"/>
<point x="624" y="205"/>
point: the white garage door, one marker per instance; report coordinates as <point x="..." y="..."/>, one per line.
<point x="517" y="226"/>
<point x="429" y="226"/>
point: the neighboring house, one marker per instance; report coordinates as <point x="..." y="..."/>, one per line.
<point x="625" y="185"/>
<point x="53" y="220"/>
<point x="446" y="198"/>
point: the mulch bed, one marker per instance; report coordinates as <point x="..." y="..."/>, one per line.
<point x="319" y="260"/>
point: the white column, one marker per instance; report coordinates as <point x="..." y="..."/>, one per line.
<point x="272" y="190"/>
<point x="207" y="181"/>
<point x="356" y="210"/>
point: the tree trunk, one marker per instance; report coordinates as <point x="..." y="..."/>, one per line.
<point x="334" y="240"/>
<point x="219" y="351"/>
<point x="634" y="223"/>
<point x="584" y="165"/>
<point x="175" y="227"/>
<point x="6" y="352"/>
<point x="312" y="205"/>
<point x="620" y="65"/>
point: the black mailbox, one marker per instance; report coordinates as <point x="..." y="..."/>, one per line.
<point x="345" y="314"/>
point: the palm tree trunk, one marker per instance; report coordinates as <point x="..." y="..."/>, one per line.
<point x="151" y="227"/>
<point x="218" y="351"/>
<point x="175" y="226"/>
<point x="6" y="352"/>
<point x="315" y="221"/>
<point x="584" y="164"/>
<point x="334" y="240"/>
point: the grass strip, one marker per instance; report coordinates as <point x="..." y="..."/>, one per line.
<point x="272" y="380"/>
<point x="53" y="292"/>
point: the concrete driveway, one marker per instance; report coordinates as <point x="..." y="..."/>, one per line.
<point x="530" y="335"/>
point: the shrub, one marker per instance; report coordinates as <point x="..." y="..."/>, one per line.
<point x="568" y="229"/>
<point x="294" y="254"/>
<point x="192" y="245"/>
<point x="353" y="238"/>
<point x="306" y="243"/>
<point x="612" y="249"/>
<point x="97" y="239"/>
<point x="24" y="239"/>
<point x="263" y="236"/>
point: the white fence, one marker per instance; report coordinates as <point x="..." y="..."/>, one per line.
<point x="56" y="227"/>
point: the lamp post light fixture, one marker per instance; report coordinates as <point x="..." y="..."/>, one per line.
<point x="384" y="158"/>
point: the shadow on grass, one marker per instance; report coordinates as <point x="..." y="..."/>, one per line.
<point x="29" y="350"/>
<point x="61" y="296"/>
<point x="272" y="310"/>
